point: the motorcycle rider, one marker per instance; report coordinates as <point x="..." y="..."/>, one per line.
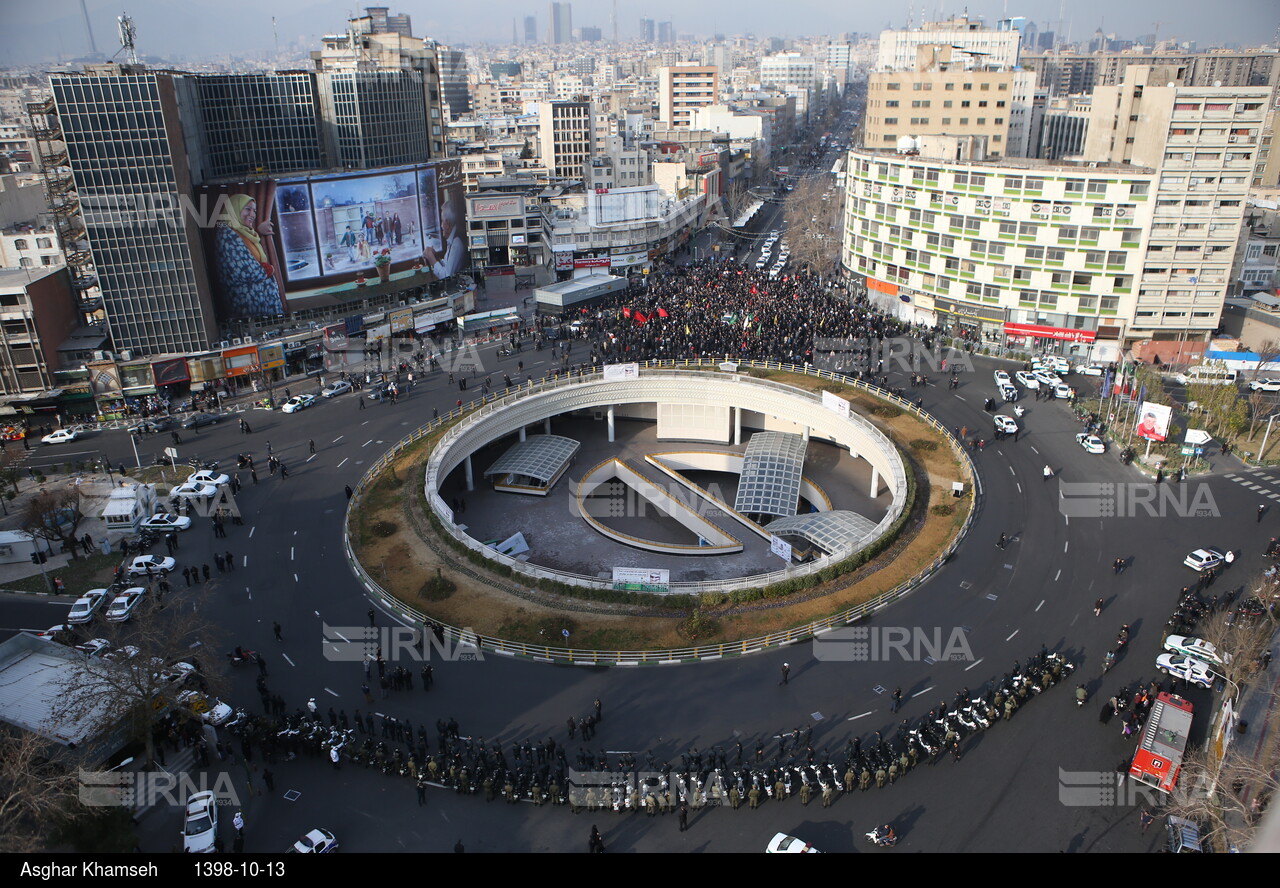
<point x="1081" y="695"/>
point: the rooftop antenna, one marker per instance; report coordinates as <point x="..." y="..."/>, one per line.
<point x="128" y="36"/>
<point x="93" y="44"/>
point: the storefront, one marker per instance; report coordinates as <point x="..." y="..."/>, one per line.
<point x="1044" y="339"/>
<point x="970" y="321"/>
<point x="104" y="381"/>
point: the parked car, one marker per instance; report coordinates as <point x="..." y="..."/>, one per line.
<point x="177" y="674"/>
<point x="147" y="565"/>
<point x="93" y="647"/>
<point x="124" y="604"/>
<point x="318" y="841"/>
<point x="1091" y="443"/>
<point x="1002" y="378"/>
<point x="1045" y="377"/>
<point x="87" y="606"/>
<point x="1265" y="385"/>
<point x="1198" y="648"/>
<point x="1027" y="380"/>
<point x="150" y="426"/>
<point x="333" y="389"/>
<point x="195" y="491"/>
<point x="1203" y="559"/>
<point x="208" y="476"/>
<point x="210" y="709"/>
<point x="1005" y="424"/>
<point x="165" y="521"/>
<point x="785" y="844"/>
<point x="1187" y="668"/>
<point x="298" y="402"/>
<point x="1090" y="370"/>
<point x="201" y="825"/>
<point x="61" y="436"/>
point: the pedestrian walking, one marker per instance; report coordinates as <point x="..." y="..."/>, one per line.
<point x="275" y="627"/>
<point x="311" y="445"/>
<point x="253" y="473"/>
<point x="897" y="700"/>
<point x="786" y="673"/>
<point x="1146" y="818"/>
<point x="284" y="472"/>
<point x="372" y="614"/>
<point x="230" y="560"/>
<point x="422" y="790"/>
<point x="350" y="492"/>
<point x="684" y="816"/>
<point x="364" y="689"/>
<point x="1002" y="542"/>
<point x="599" y="711"/>
<point x="269" y="779"/>
<point x="1261" y="509"/>
<point x="206" y="573"/>
<point x="268" y="448"/>
<point x="218" y="562"/>
<point x="1097" y="608"/>
<point x="595" y="844"/>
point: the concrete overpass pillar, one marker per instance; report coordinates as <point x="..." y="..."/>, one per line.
<point x="471" y="481"/>
<point x="522" y="434"/>
<point x="611" y="424"/>
<point x="875" y="482"/>
<point x="737" y="425"/>
<point x="546" y="426"/>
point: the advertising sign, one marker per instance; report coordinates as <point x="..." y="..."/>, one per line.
<point x="401" y="320"/>
<point x="244" y="257"/>
<point x="592" y="263"/>
<point x="1062" y="333"/>
<point x="835" y="404"/>
<point x="615" y="372"/>
<point x="306" y="235"/>
<point x="564" y="260"/>
<point x="1153" y="421"/>
<point x="104" y="379"/>
<point x="425" y="322"/>
<point x="239" y="361"/>
<point x="781" y="548"/>
<point x="496" y="207"/>
<point x="270" y="356"/>
<point x="170" y="372"/>
<point x="641" y="575"/>
<point x="206" y="369"/>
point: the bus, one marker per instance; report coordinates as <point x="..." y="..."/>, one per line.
<point x="1163" y="744"/>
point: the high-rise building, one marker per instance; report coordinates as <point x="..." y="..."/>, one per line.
<point x="648" y="30"/>
<point x="453" y="82"/>
<point x="530" y="30"/>
<point x="590" y="35"/>
<point x="666" y="33"/>
<point x="566" y="136"/>
<point x="1203" y="141"/>
<point x="684" y="87"/>
<point x="984" y="47"/>
<point x="155" y="289"/>
<point x="560" y="23"/>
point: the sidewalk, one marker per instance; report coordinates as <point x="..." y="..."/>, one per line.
<point x="1257" y="710"/>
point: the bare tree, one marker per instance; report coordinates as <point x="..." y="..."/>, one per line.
<point x="54" y="516"/>
<point x="1223" y="793"/>
<point x="33" y="789"/>
<point x="141" y="681"/>
<point x="737" y="197"/>
<point x="811" y="216"/>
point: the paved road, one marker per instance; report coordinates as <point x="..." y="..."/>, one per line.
<point x="1002" y="796"/>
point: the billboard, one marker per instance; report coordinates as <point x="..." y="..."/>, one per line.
<point x="170" y="372"/>
<point x="505" y="206"/>
<point x="277" y="242"/>
<point x="104" y="379"/>
<point x="1153" y="421"/>
<point x="270" y="356"/>
<point x="400" y="320"/>
<point x="244" y="258"/>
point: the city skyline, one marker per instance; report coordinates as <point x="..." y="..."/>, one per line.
<point x="51" y="32"/>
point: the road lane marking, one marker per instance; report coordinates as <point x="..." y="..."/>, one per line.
<point x="1040" y="605"/>
<point x="335" y="693"/>
<point x="1015" y="632"/>
<point x="246" y="561"/>
<point x="367" y="443"/>
<point x="856" y="717"/>
<point x="295" y="578"/>
<point x="251" y="530"/>
<point x="974" y="663"/>
<point x="1065" y="543"/>
<point x="291" y="553"/>
<point x="925" y="691"/>
<point x="309" y="458"/>
<point x="287" y="660"/>
<point x="339" y="438"/>
<point x="341" y="464"/>
<point x="1058" y="574"/>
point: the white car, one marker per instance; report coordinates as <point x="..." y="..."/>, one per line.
<point x="195" y="491"/>
<point x="53" y="633"/>
<point x="61" y="436"/>
<point x="1009" y="392"/>
<point x="1198" y="648"/>
<point x="208" y="476"/>
<point x="211" y="709"/>
<point x="1187" y="668"/>
<point x="1047" y="378"/>
<point x="1203" y="559"/>
<point x="148" y="565"/>
<point x="1027" y="380"/>
<point x="178" y="673"/>
<point x="201" y="825"/>
<point x="1063" y="391"/>
<point x="1265" y="385"/>
<point x="124" y="604"/>
<point x="333" y="389"/>
<point x="1002" y="378"/>
<point x="94" y="647"/>
<point x="785" y="844"/>
<point x="86" y="606"/>
<point x="318" y="841"/>
<point x="1089" y="370"/>
<point x="298" y="402"/>
<point x="1091" y="443"/>
<point x="165" y="521"/>
<point x="1005" y="424"/>
<point x="1060" y="365"/>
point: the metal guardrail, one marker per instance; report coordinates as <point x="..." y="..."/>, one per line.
<point x="661" y="656"/>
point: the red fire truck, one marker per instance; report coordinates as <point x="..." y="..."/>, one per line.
<point x="1164" y="740"/>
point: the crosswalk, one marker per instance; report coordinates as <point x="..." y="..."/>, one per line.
<point x="1258" y="481"/>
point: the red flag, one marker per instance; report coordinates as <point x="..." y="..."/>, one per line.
<point x="662" y="312"/>
<point x="640" y="319"/>
<point x="753" y="291"/>
<point x="626" y="312"/>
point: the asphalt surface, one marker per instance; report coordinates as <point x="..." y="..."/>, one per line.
<point x="1004" y="795"/>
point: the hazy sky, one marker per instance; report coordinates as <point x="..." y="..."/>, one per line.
<point x="47" y="30"/>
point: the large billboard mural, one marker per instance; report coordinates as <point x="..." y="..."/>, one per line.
<point x="317" y="235"/>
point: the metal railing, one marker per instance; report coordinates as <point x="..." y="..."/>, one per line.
<point x="660" y="656"/>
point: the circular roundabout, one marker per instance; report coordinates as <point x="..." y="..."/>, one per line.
<point x="675" y="492"/>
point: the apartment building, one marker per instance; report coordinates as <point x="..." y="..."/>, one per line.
<point x="683" y="88"/>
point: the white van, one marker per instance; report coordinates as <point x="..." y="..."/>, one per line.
<point x="1207" y="375"/>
